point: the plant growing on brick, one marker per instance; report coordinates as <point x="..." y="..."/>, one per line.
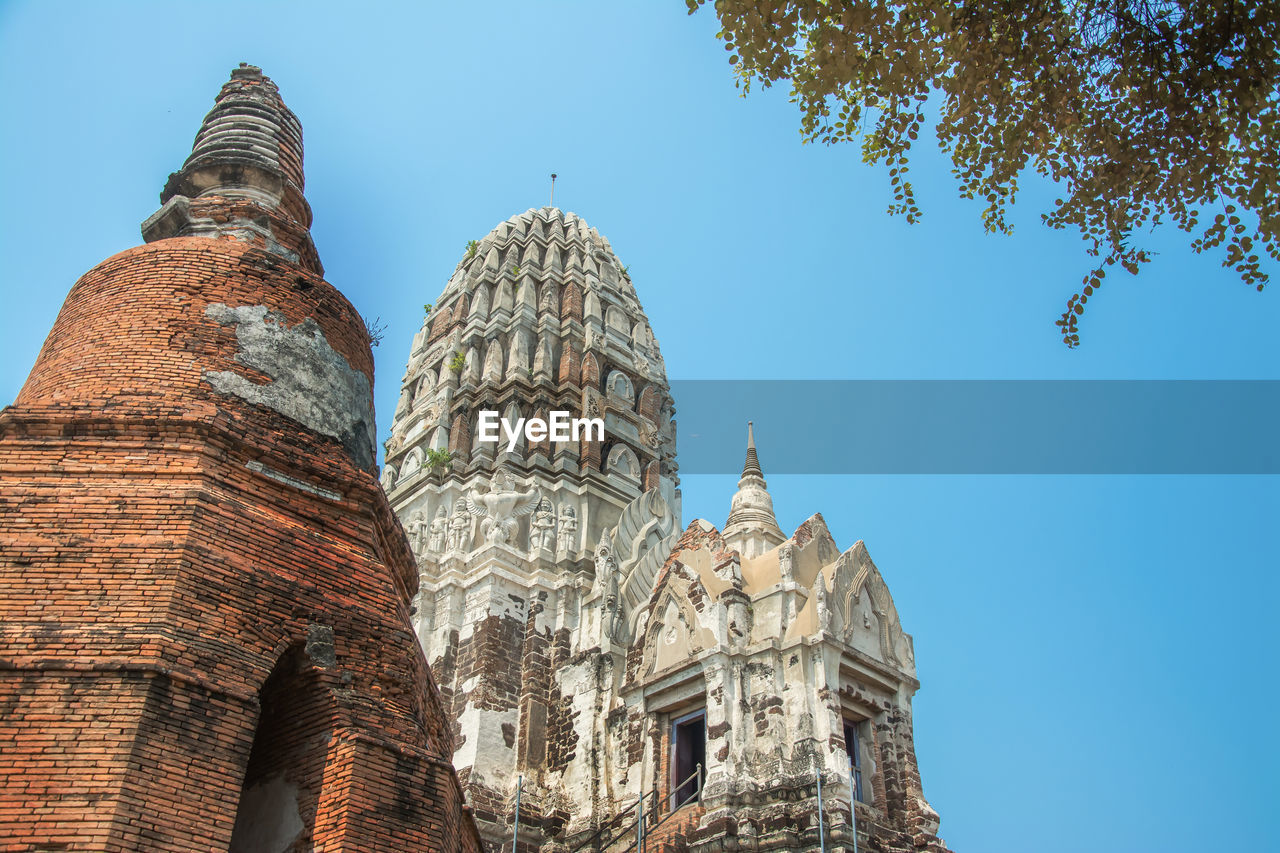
<point x="458" y="362"/>
<point x="375" y="329"/>
<point x="437" y="459"/>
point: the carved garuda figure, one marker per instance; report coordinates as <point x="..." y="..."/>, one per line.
<point x="501" y="506"/>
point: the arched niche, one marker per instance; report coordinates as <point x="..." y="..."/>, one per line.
<point x="284" y="776"/>
<point x="412" y="462"/>
<point x="623" y="462"/>
<point x="618" y="386"/>
<point x="615" y="318"/>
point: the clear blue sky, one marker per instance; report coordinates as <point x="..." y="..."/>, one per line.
<point x="1098" y="654"/>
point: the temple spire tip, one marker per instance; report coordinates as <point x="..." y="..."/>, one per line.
<point x="752" y="464"/>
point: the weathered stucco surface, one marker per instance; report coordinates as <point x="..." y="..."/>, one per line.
<point x="571" y="627"/>
<point x="309" y="380"/>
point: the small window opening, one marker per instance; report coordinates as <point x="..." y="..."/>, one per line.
<point x="854" y="732"/>
<point x="688" y="753"/>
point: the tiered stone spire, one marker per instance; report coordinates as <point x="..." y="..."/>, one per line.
<point x="539" y="316"/>
<point x="517" y="544"/>
<point x="752" y="528"/>
<point x="244" y="176"/>
<point x="250" y="142"/>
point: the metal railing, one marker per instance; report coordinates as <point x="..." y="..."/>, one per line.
<point x="855" y="797"/>
<point x="639" y="824"/>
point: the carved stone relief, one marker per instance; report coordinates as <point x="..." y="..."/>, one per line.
<point x="501" y="506"/>
<point x="566" y="537"/>
<point x="542" y="527"/>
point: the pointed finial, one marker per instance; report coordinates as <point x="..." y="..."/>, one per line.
<point x="752" y="528"/>
<point x="553" y="190"/>
<point x="752" y="465"/>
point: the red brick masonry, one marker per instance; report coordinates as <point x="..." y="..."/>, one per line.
<point x="201" y="600"/>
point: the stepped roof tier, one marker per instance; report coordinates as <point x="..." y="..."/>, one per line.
<point x="538" y="316"/>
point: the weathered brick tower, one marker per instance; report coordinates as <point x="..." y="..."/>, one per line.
<point x="204" y="596"/>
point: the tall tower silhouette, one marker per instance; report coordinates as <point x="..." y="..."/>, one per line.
<point x="204" y="595"/>
<point x="534" y="555"/>
<point x="599" y="662"/>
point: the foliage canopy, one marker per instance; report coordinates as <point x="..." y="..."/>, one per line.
<point x="1143" y="111"/>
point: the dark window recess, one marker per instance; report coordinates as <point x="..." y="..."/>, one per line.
<point x="853" y="748"/>
<point x="688" y="753"/>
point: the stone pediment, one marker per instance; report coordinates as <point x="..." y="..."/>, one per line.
<point x="810" y="548"/>
<point x="678" y="623"/>
<point x="862" y="612"/>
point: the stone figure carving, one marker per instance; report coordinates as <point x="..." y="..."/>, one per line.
<point x="416" y="528"/>
<point x="606" y="562"/>
<point x="820" y="603"/>
<point x="611" y="616"/>
<point x="785" y="567"/>
<point x="501" y="506"/>
<point x="459" y="527"/>
<point x="568" y="529"/>
<point x="439" y="529"/>
<point x="542" y="527"/>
